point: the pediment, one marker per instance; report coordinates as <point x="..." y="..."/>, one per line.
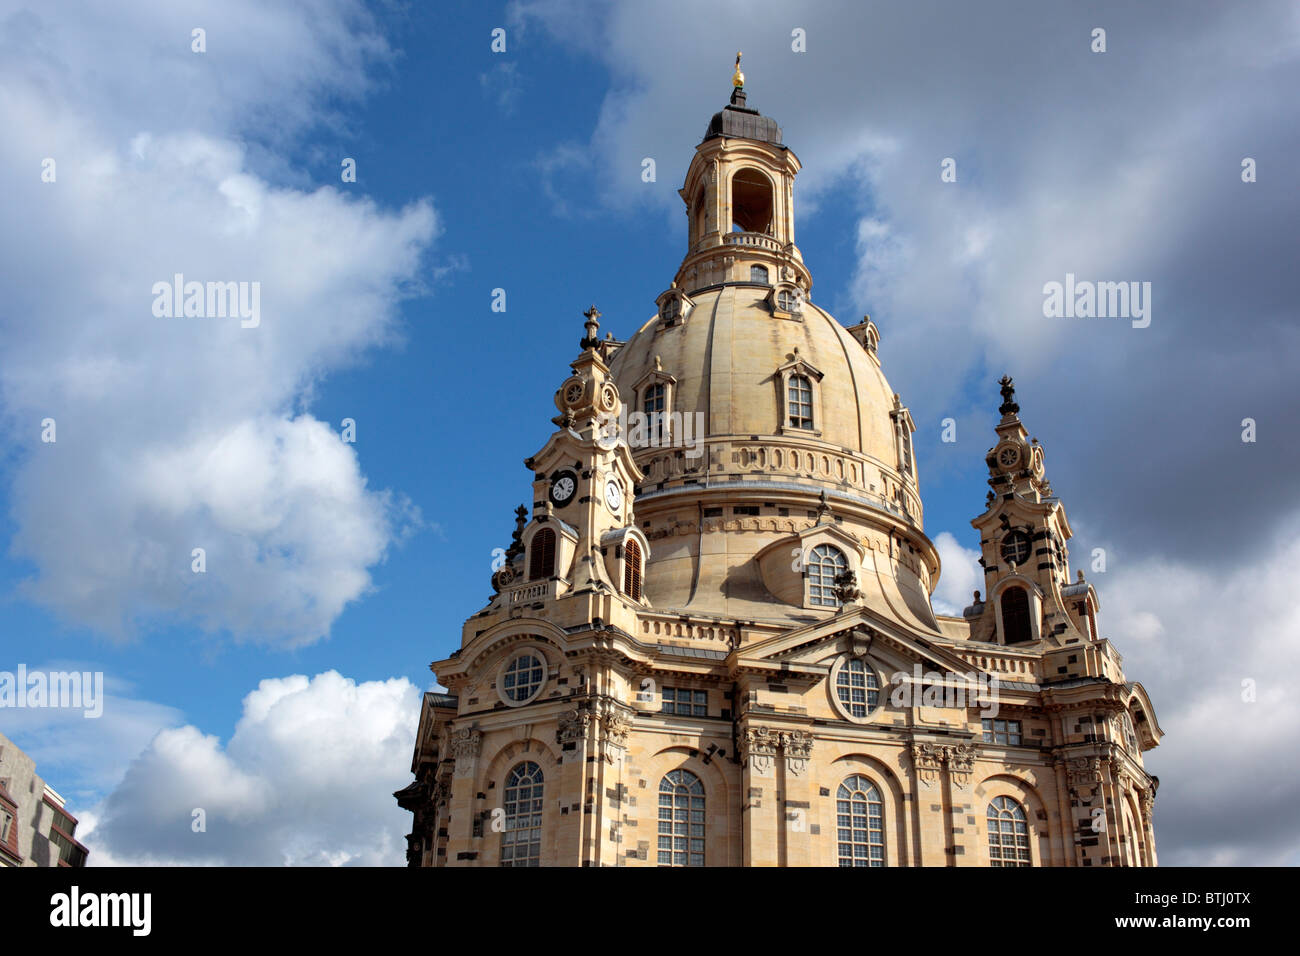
<point x="829" y="530"/>
<point x="858" y="628"/>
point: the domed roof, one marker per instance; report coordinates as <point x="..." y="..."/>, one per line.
<point x="737" y="120"/>
<point x="726" y="359"/>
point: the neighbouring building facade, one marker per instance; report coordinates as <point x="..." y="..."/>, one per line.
<point x="712" y="642"/>
<point x="36" y="828"/>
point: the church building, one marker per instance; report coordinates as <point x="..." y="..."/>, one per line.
<point x="711" y="642"/>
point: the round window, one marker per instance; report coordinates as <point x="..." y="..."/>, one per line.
<point x="856" y="688"/>
<point x="523" y="677"/>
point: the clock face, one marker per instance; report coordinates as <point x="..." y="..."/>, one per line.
<point x="563" y="486"/>
<point x="1016" y="547"/>
<point x="613" y="495"/>
<point x="1009" y="456"/>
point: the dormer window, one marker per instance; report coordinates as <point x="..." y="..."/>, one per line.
<point x="905" y="448"/>
<point x="799" y="395"/>
<point x="758" y="274"/>
<point x="674" y="306"/>
<point x="824" y="564"/>
<point x="799" y="398"/>
<point x="654" y="404"/>
<point x="903" y="428"/>
<point x="788" y="301"/>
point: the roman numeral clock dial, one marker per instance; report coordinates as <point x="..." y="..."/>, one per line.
<point x="563" y="485"/>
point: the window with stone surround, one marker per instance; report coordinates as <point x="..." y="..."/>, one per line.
<point x="1001" y="731"/>
<point x="857" y="688"/>
<point x="1008" y="833"/>
<point x="523" y="678"/>
<point x="681" y="819"/>
<point x="859" y="823"/>
<point x="654" y="405"/>
<point x="685" y="703"/>
<point x="824" y="563"/>
<point x="521" y="839"/>
<point x="1130" y="735"/>
<point x="799" y="396"/>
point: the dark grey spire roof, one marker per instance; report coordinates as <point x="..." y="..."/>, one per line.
<point x="737" y="120"/>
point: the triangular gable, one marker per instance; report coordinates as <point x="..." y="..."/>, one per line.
<point x="805" y="644"/>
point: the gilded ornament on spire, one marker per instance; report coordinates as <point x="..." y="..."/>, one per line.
<point x="738" y="78"/>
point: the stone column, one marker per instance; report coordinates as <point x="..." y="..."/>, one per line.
<point x="465" y="746"/>
<point x="571" y="791"/>
<point x="797" y="789"/>
<point x="760" y="810"/>
<point x="930" y="804"/>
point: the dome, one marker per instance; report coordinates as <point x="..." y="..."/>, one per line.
<point x="737" y="120"/>
<point x="725" y="358"/>
<point x="766" y="428"/>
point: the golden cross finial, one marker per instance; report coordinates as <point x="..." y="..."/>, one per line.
<point x="738" y="78"/>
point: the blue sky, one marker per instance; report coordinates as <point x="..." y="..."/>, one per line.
<point x="521" y="170"/>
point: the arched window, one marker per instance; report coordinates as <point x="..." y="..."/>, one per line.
<point x="1130" y="735"/>
<point x="541" y="555"/>
<point x="1015" y="616"/>
<point x="758" y="274"/>
<point x="670" y="310"/>
<point x="632" y="569"/>
<point x="1008" y="833"/>
<point x="681" y="820"/>
<point x="751" y="202"/>
<point x="823" y="564"/>
<point x="788" y="301"/>
<point x="653" y="403"/>
<point x="799" y="395"/>
<point x="523" y="678"/>
<point x="860" y="823"/>
<point x="857" y="687"/>
<point x="521" y="839"/>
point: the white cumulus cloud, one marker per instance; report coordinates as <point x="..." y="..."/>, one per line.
<point x="959" y="575"/>
<point x="175" y="434"/>
<point x="306" y="779"/>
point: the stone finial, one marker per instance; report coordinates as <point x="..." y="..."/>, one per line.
<point x="592" y="327"/>
<point x="516" y="539"/>
<point x="1008" y="406"/>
